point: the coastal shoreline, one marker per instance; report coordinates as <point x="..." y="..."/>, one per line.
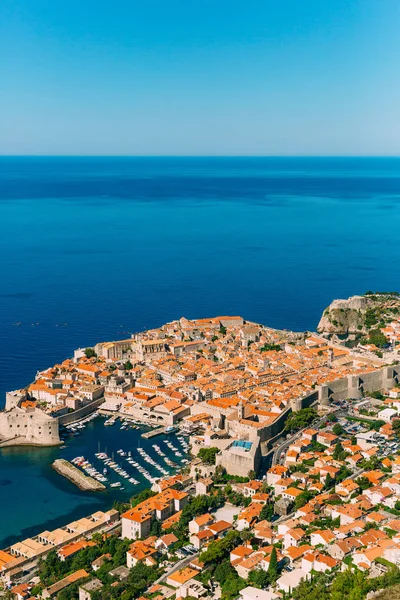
<point x="14" y="443"/>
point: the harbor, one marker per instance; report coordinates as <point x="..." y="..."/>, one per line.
<point x="87" y="445"/>
<point x="126" y="466"/>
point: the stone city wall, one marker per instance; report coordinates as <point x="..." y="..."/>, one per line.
<point x="80" y="413"/>
<point x="28" y="427"/>
<point x="354" y="386"/>
<point x="240" y="463"/>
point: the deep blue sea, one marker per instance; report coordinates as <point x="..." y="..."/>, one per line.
<point x="97" y="248"/>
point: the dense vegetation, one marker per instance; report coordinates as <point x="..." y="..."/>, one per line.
<point x="90" y="353"/>
<point x="207" y="455"/>
<point x="141" y="497"/>
<point x="220" y="549"/>
<point x="51" y="569"/>
<point x="227" y="577"/>
<point x="352" y="585"/>
<point x="139" y="579"/>
<point x="198" y="505"/>
<point x="396" y="426"/>
<point x="268" y="347"/>
<point x="376" y="337"/>
<point x="300" y="419"/>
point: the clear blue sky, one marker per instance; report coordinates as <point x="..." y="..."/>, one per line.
<point x="196" y="77"/>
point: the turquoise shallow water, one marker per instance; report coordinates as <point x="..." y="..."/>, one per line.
<point x="96" y="248"/>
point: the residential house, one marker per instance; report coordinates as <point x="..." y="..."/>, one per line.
<point x="318" y="562"/>
<point x="322" y="537"/>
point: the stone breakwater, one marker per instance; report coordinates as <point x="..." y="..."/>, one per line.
<point x="84" y="482"/>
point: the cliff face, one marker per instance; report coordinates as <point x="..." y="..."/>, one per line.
<point x="345" y="317"/>
<point x="359" y="315"/>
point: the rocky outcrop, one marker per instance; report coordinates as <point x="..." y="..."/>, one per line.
<point x="359" y="315"/>
<point x="344" y="317"/>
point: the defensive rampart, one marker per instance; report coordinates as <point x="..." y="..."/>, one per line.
<point x="80" y="413"/>
<point x="27" y="427"/>
<point x="355" y="386"/>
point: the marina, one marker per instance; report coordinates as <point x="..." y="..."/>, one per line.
<point x="116" y="456"/>
<point x="132" y="459"/>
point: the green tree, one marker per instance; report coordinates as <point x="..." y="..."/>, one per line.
<point x="370" y="318"/>
<point x="156" y="528"/>
<point x="141" y="497"/>
<point x="328" y="482"/>
<point x="35" y="591"/>
<point x="273" y="566"/>
<point x="377" y="395"/>
<point x="338" y="429"/>
<point x="269" y="347"/>
<point x="232" y="586"/>
<point x="350" y="585"/>
<point x="259" y="578"/>
<point x="128" y="365"/>
<point x="302" y="499"/>
<point x="344" y="473"/>
<point x="207" y="455"/>
<point x="90" y="353"/>
<point x="220" y="549"/>
<point x="339" y="453"/>
<point x="396" y="426"/>
<point x="223" y="571"/>
<point x="313" y="589"/>
<point x="97" y="538"/>
<point x="246" y="535"/>
<point x="267" y="512"/>
<point x="378" y="338"/>
<point x="51" y="569"/>
<point x="363" y="483"/>
<point x="300" y="419"/>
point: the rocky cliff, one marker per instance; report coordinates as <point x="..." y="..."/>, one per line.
<point x="344" y="317"/>
<point x="357" y="315"/>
